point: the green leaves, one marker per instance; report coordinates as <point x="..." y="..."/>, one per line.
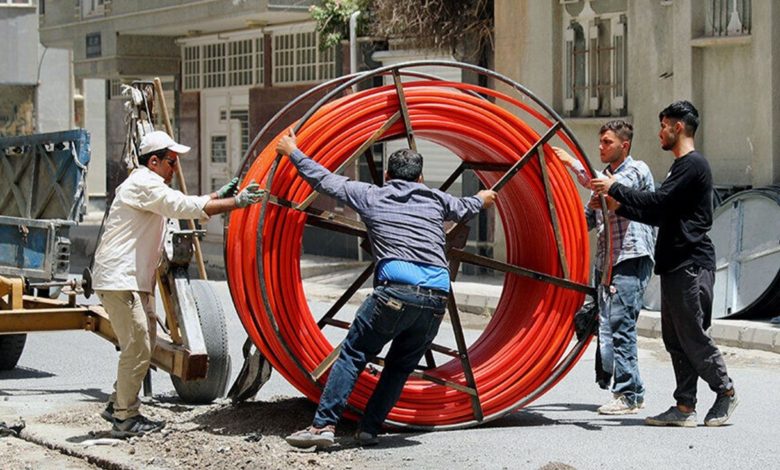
<point x="332" y="17"/>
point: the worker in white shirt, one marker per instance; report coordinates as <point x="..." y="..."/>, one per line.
<point x="127" y="257"/>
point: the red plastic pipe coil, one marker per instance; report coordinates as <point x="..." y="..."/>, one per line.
<point x="532" y="326"/>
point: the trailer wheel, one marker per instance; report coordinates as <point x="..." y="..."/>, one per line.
<point x="212" y="322"/>
<point x="11" y="347"/>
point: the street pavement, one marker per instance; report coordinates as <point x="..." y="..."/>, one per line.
<point x="561" y="429"/>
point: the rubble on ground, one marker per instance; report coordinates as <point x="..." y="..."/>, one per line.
<point x="248" y="435"/>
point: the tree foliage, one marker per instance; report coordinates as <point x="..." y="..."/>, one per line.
<point x="332" y="17"/>
<point x="464" y="25"/>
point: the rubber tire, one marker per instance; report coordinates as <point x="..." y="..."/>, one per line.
<point x="11" y="347"/>
<point x="212" y="322"/>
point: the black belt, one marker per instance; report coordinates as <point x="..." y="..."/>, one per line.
<point x="416" y="289"/>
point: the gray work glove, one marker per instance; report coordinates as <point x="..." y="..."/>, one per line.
<point x="229" y="189"/>
<point x="252" y="194"/>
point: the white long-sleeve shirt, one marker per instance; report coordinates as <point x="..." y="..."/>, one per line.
<point x="129" y="251"/>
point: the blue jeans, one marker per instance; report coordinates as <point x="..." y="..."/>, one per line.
<point x="411" y="320"/>
<point x="618" y="313"/>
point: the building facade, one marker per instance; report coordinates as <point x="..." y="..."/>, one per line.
<point x="598" y="59"/>
<point x="35" y="96"/>
<point x="227" y="66"/>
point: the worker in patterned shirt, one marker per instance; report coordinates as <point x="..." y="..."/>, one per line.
<point x="631" y="259"/>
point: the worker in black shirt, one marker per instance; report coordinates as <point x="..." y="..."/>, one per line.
<point x="685" y="259"/>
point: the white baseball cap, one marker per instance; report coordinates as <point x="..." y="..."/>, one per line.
<point x="159" y="140"/>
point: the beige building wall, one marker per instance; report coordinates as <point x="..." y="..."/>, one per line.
<point x="730" y="80"/>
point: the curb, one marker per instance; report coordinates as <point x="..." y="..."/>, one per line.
<point x="73" y="451"/>
<point x="744" y="334"/>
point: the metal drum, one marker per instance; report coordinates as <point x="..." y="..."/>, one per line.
<point x="746" y="235"/>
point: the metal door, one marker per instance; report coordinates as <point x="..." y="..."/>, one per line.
<point x="225" y="138"/>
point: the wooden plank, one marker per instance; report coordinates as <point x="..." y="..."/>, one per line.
<point x="14" y="288"/>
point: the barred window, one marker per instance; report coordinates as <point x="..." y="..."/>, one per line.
<point x="218" y="149"/>
<point x="259" y="60"/>
<point x="298" y="59"/>
<point x="594" y="59"/>
<point x="242" y="116"/>
<point x="729" y="17"/>
<point x="191" y="67"/>
<point x="115" y="89"/>
<point x="327" y="63"/>
<point x="214" y="65"/>
<point x="238" y="62"/>
<point x="284" y="63"/>
<point x="240" y="55"/>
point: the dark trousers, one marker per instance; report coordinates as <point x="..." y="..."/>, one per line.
<point x="686" y="314"/>
<point x="398" y="314"/>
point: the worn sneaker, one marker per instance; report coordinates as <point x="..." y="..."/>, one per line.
<point x="366" y="439"/>
<point x="673" y="417"/>
<point x="618" y="406"/>
<point x="108" y="413"/>
<point x="135" y="426"/>
<point x="721" y="410"/>
<point x="322" y="438"/>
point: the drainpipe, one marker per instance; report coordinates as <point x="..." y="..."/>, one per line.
<point x="353" y="67"/>
<point x="353" y="42"/>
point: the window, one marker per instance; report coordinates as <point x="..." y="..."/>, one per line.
<point x="217" y="64"/>
<point x="297" y="58"/>
<point x="242" y="116"/>
<point x="259" y="60"/>
<point x="16" y="3"/>
<point x="93" y="8"/>
<point x="594" y="53"/>
<point x="729" y="17"/>
<point x="115" y="89"/>
<point x="239" y="58"/>
<point x="218" y="149"/>
<point x="191" y="67"/>
<point x="214" y="65"/>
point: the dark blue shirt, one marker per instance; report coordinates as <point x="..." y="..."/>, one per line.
<point x="405" y="220"/>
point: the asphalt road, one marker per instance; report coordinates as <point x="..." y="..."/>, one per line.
<point x="560" y="429"/>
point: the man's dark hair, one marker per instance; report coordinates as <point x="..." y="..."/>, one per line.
<point x="682" y="111"/>
<point x="144" y="159"/>
<point x="404" y="164"/>
<point x="623" y="129"/>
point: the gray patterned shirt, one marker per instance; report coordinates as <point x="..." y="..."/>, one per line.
<point x="405" y="220"/>
<point x="629" y="239"/>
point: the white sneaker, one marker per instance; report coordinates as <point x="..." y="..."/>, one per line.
<point x="618" y="406"/>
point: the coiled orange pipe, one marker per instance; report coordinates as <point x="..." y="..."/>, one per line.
<point x="532" y="326"/>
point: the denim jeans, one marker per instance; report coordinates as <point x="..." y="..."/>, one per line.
<point x="411" y="320"/>
<point x="618" y="312"/>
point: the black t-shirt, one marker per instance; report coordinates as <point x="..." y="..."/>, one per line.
<point x="681" y="208"/>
